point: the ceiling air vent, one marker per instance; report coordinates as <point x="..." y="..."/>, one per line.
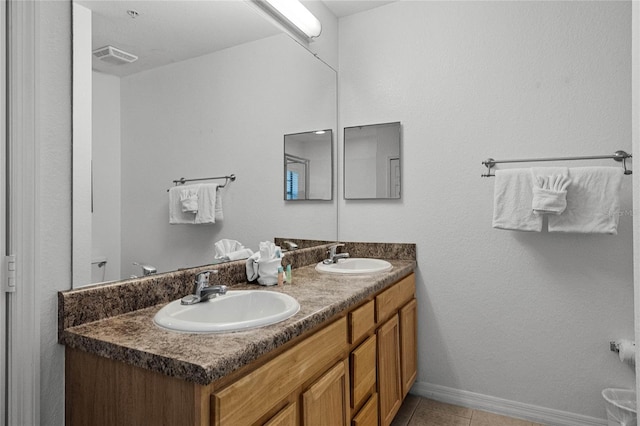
<point x="114" y="56"/>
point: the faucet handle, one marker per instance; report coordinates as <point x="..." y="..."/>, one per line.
<point x="290" y="245"/>
<point x="333" y="248"/>
<point x="202" y="278"/>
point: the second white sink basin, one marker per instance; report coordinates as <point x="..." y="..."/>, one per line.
<point x="355" y="265"/>
<point x="234" y="311"/>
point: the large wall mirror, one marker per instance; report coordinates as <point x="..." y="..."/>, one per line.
<point x="308" y="166"/>
<point x="372" y="161"/>
<point x="213" y="89"/>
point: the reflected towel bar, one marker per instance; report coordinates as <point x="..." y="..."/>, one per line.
<point x="617" y="156"/>
<point x="230" y="178"/>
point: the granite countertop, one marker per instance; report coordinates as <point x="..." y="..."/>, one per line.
<point x="204" y="358"/>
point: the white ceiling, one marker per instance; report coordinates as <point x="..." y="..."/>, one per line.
<point x="342" y="8"/>
<point x="171" y="31"/>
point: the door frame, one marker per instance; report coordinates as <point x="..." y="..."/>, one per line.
<point x="22" y="212"/>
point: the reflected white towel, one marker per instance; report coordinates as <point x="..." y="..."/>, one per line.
<point x="206" y="203"/>
<point x="231" y="250"/>
<point x="593" y="201"/>
<point x="176" y="215"/>
<point x="218" y="206"/>
<point x="512" y="199"/>
<point x="189" y="198"/>
<point x="549" y="190"/>
<point x="226" y="246"/>
<point x="239" y="254"/>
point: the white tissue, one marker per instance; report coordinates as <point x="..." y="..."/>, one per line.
<point x="627" y="351"/>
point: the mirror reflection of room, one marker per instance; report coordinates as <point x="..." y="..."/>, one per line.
<point x="308" y="166"/>
<point x="192" y="105"/>
<point x="372" y="163"/>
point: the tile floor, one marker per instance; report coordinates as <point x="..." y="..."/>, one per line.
<point x="417" y="411"/>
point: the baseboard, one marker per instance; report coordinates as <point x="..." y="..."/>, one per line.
<point x="505" y="407"/>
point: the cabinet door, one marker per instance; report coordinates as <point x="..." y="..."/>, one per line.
<point x="389" y="386"/>
<point x="408" y="345"/>
<point x="325" y="403"/>
<point x="285" y="417"/>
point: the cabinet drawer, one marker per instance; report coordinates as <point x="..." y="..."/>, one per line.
<point x="252" y="396"/>
<point x="368" y="415"/>
<point x="286" y="417"/>
<point x="389" y="301"/>
<point x="363" y="371"/>
<point x="325" y="402"/>
<point x="361" y="320"/>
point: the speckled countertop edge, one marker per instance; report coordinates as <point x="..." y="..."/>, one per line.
<point x="204" y="358"/>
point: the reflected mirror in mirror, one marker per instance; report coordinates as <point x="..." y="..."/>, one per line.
<point x="211" y="94"/>
<point x="372" y="161"/>
<point x="308" y="166"/>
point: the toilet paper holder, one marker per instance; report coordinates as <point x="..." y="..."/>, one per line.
<point x="614" y="346"/>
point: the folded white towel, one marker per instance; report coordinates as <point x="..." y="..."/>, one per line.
<point x="263" y="265"/>
<point x="176" y="215"/>
<point x="593" y="201"/>
<point x="206" y="203"/>
<point x="512" y="200"/>
<point x="549" y="190"/>
<point x="251" y="266"/>
<point x="268" y="271"/>
<point x="189" y="198"/>
<point x="268" y="250"/>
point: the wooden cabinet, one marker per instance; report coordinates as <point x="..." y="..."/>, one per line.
<point x="361" y="321"/>
<point x="363" y="372"/>
<point x="356" y="370"/>
<point x="288" y="416"/>
<point x="326" y="402"/>
<point x="408" y="316"/>
<point x="253" y="397"/>
<point x="389" y="385"/>
<point x="368" y="414"/>
<point x="396" y="334"/>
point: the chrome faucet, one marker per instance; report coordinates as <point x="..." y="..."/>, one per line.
<point x="290" y="245"/>
<point x="333" y="256"/>
<point x="146" y="269"/>
<point x="202" y="290"/>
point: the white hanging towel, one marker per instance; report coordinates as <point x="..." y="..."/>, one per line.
<point x="189" y="198"/>
<point x="512" y="197"/>
<point x="206" y="203"/>
<point x="593" y="201"/>
<point x="549" y="190"/>
<point x="176" y="215"/>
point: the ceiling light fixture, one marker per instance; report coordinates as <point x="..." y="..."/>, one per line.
<point x="293" y="16"/>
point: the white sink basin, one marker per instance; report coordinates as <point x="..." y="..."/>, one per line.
<point x="234" y="311"/>
<point x="355" y="265"/>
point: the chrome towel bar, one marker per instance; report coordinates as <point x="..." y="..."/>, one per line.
<point x="230" y="178"/>
<point x="620" y="156"/>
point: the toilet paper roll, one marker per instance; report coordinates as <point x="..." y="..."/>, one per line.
<point x="627" y="351"/>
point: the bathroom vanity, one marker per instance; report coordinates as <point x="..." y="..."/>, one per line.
<point x="348" y="357"/>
